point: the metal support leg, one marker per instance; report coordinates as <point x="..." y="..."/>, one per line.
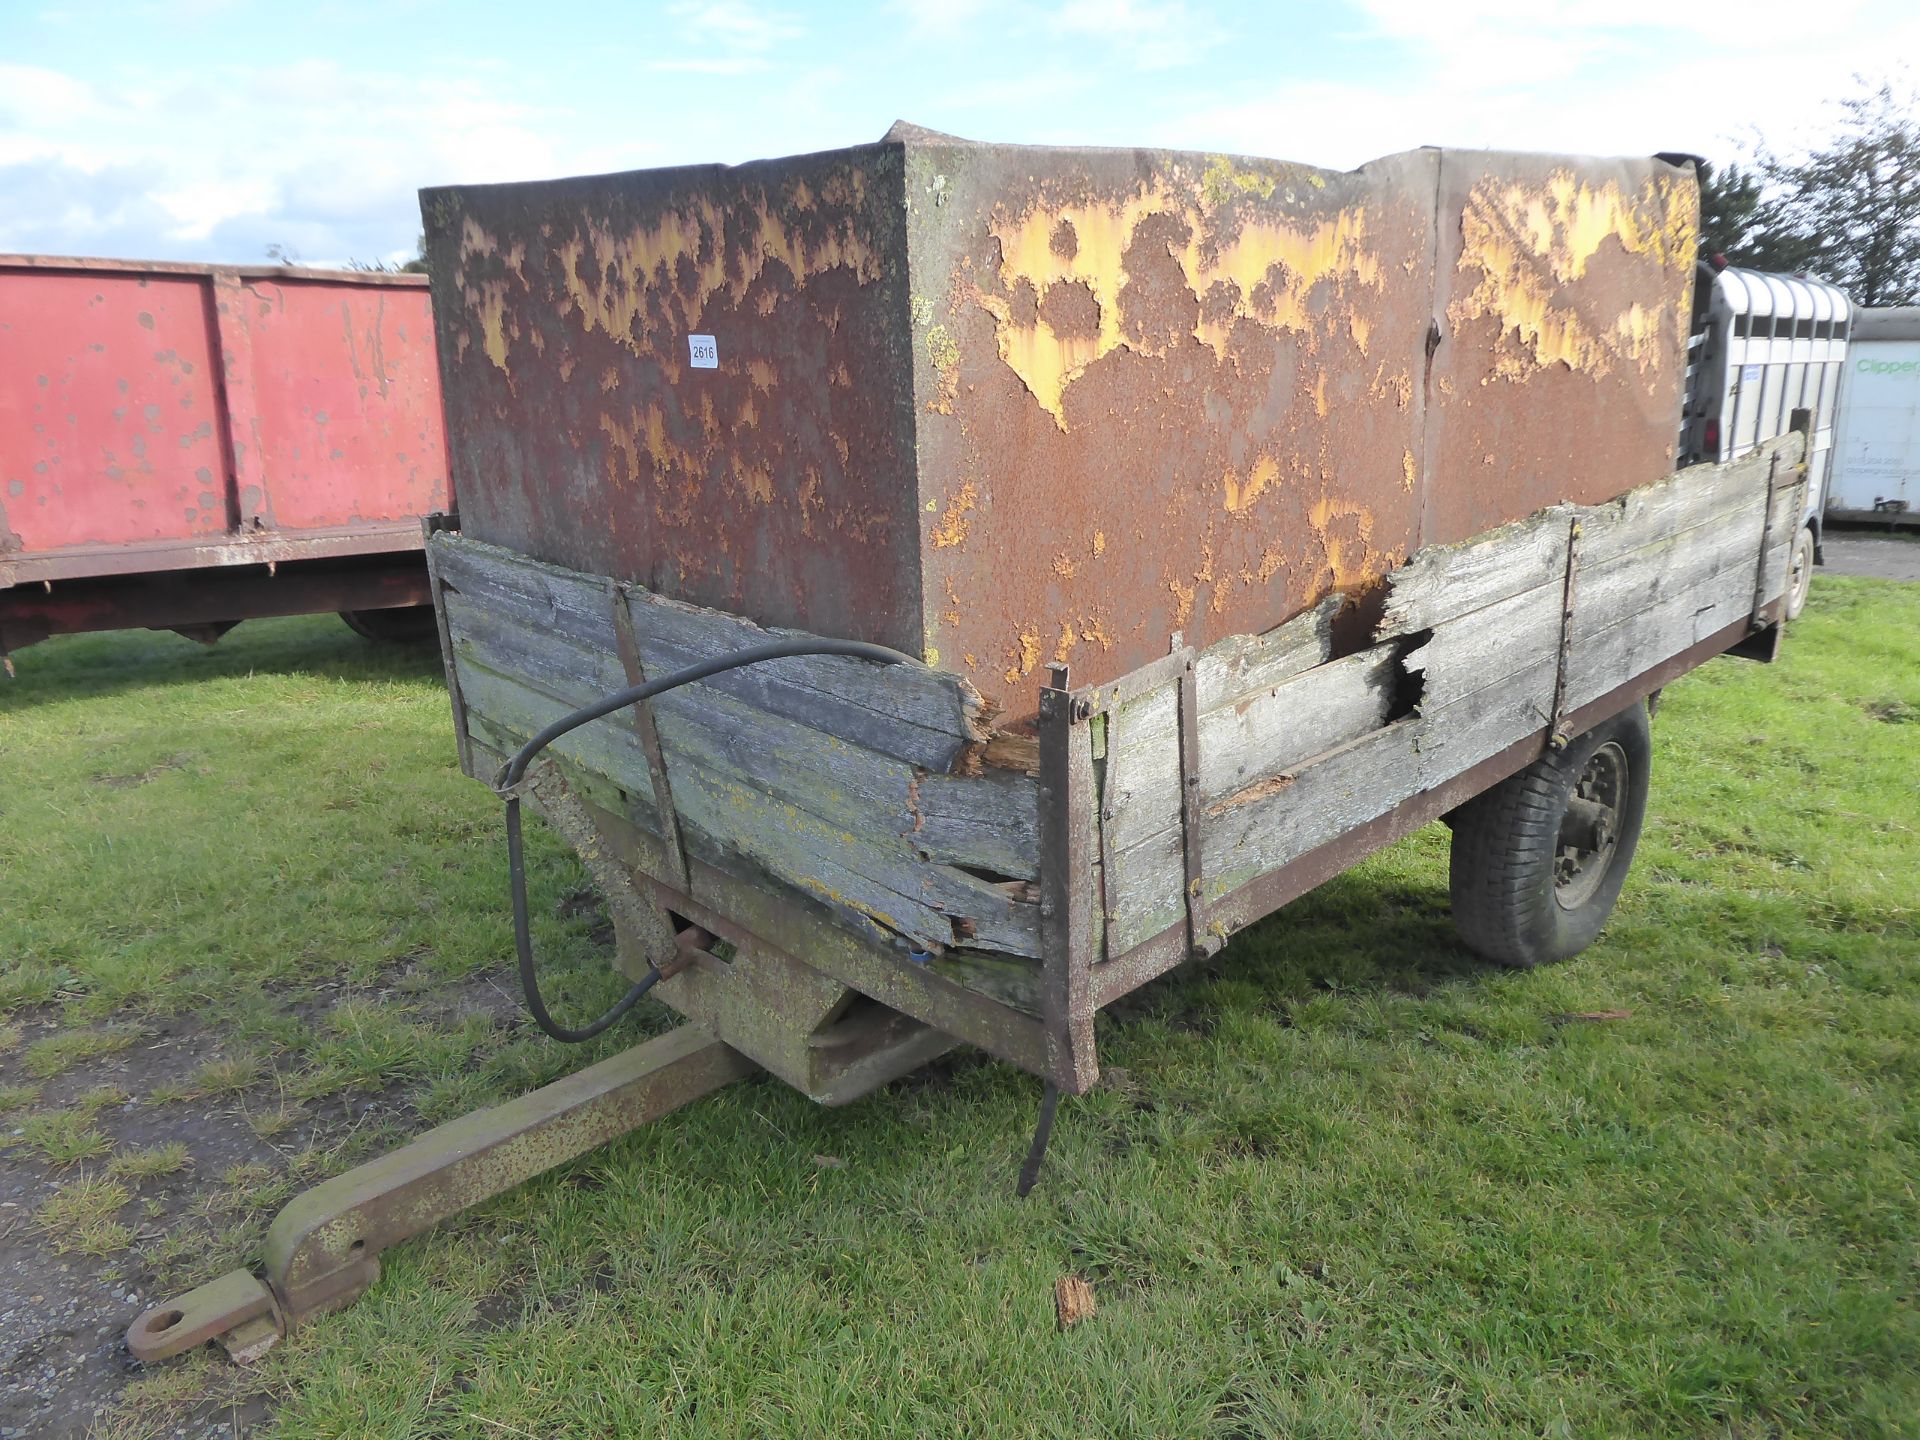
<point x="323" y="1249"/>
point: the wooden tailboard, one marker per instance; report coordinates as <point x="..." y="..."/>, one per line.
<point x="843" y="779"/>
<point x="1481" y="645"/>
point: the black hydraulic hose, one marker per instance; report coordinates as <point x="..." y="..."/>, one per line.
<point x="516" y="769"/>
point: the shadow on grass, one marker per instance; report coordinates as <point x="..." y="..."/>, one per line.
<point x="1357" y="933"/>
<point x="114" y="662"/>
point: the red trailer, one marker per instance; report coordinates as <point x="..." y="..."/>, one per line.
<point x="186" y="446"/>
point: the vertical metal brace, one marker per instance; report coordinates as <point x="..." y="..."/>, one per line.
<point x="1754" y="621"/>
<point x="1802" y="425"/>
<point x="431" y="525"/>
<point x="671" y="839"/>
<point x="1558" y="734"/>
<point x="1066" y="885"/>
<point x="1198" y="939"/>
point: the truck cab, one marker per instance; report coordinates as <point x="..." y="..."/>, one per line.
<point x="1761" y="347"/>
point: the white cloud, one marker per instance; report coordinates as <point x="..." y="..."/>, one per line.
<point x="1145" y="34"/>
<point x="221" y="163"/>
<point x="715" y="65"/>
<point x="734" y="25"/>
<point x="1559" y="76"/>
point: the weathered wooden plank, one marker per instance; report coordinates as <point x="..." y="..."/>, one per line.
<point x="1486" y="646"/>
<point x="849" y="858"/>
<point x="1659" y="570"/>
<point x="988" y="822"/>
<point x="1443" y="582"/>
<point x="1370" y="775"/>
<point x="1694" y="496"/>
<point x="1241" y="665"/>
<point x="1240" y="744"/>
<point x="924" y="716"/>
<point x="547" y="597"/>
<point x="985" y="822"/>
<point x="1601" y="661"/>
<point x="927" y="717"/>
<point x="1607" y="592"/>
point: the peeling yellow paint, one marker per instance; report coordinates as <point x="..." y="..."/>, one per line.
<point x="1028" y="642"/>
<point x="1183" y="594"/>
<point x="1407" y="471"/>
<point x="697" y="252"/>
<point x="1099" y="542"/>
<point x="953" y="526"/>
<point x="1240" y="494"/>
<point x="1531" y="243"/>
<point x="1350" y="563"/>
<point x="1065" y="566"/>
<point x="756" y="480"/>
<point x="1263" y="273"/>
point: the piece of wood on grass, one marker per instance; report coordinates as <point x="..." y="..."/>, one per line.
<point x="1072" y="1301"/>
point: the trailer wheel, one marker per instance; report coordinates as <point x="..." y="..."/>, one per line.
<point x="401" y="625"/>
<point x="1538" y="860"/>
<point x="1799" y="573"/>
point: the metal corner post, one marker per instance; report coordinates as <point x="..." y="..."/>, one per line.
<point x="1066" y="886"/>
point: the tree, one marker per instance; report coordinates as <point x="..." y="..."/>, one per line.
<point x="1739" y="226"/>
<point x="1854" y="205"/>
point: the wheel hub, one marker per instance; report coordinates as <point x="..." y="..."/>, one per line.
<point x="1590" y="828"/>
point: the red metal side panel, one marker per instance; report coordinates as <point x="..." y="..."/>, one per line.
<point x="346" y="388"/>
<point x="109" y="431"/>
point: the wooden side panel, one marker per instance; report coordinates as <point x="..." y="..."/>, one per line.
<point x="824" y="774"/>
<point x="1468" y="662"/>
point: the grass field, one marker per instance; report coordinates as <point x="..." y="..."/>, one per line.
<point x="1341" y="1181"/>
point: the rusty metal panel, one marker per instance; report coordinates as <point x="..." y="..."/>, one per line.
<point x="1158" y="392"/>
<point x="1010" y="407"/>
<point x="778" y="482"/>
<point x="161" y="417"/>
<point x="1563" y="295"/>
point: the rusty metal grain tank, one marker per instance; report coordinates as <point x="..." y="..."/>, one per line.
<point x="1006" y="406"/>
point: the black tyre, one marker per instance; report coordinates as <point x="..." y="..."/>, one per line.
<point x="1538" y="860"/>
<point x="1799" y="573"/>
<point x="403" y="625"/>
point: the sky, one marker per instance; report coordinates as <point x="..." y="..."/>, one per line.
<point x="214" y="129"/>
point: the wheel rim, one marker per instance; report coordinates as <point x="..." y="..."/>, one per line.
<point x="1802" y="576"/>
<point x="1590" y="828"/>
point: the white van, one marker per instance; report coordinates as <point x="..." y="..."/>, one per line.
<point x="1763" y="346"/>
<point x="1876" y="473"/>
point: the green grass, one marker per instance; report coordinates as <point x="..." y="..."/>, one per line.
<point x="1341" y="1181"/>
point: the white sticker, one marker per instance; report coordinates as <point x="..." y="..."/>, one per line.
<point x="1749" y="374"/>
<point x="702" y="353"/>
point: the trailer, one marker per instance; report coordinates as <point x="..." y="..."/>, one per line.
<point x="1763" y="349"/>
<point x="187" y="446"/>
<point x="1877" y="474"/>
<point x="939" y="588"/>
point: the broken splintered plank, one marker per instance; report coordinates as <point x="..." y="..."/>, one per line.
<point x="1659" y="570"/>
